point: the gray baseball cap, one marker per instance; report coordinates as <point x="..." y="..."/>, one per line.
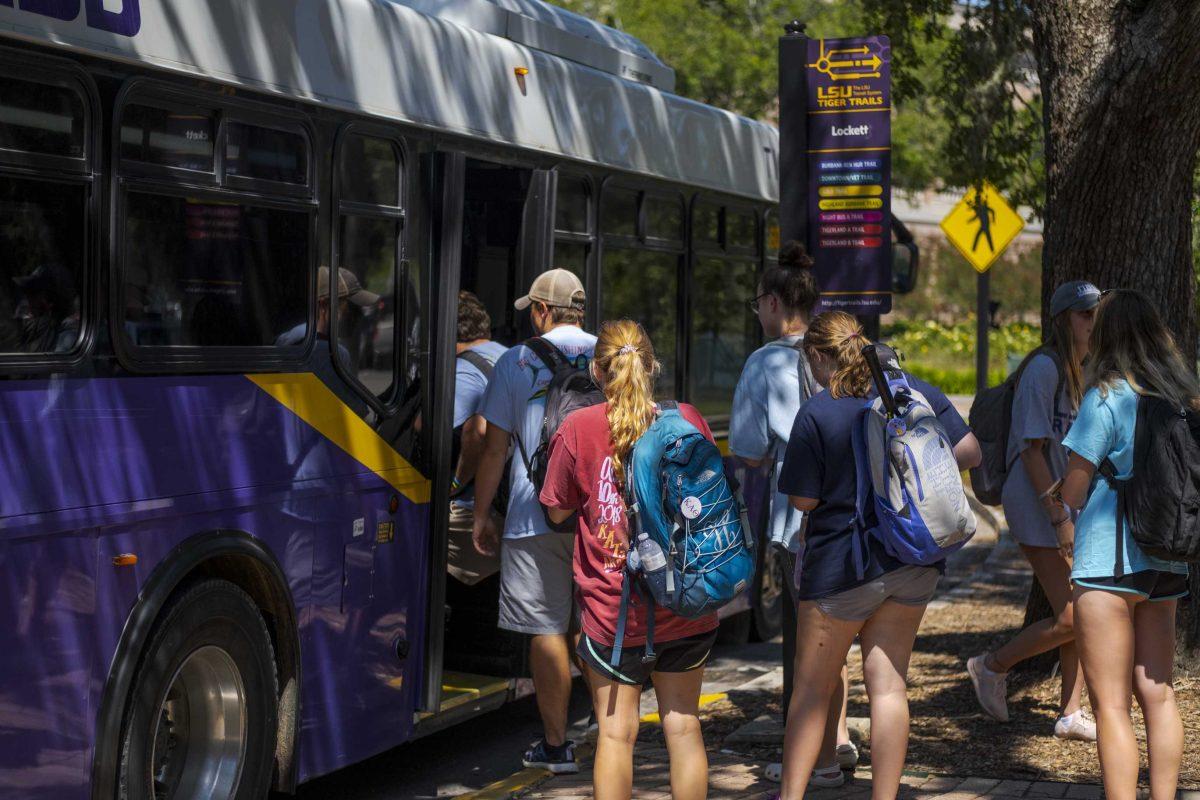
<point x="1074" y="296"/>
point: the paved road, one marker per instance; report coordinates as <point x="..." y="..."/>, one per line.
<point x="488" y="748"/>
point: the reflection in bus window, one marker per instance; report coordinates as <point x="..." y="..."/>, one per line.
<point x="571" y="205"/>
<point x="168" y="138"/>
<point x="572" y="256"/>
<point x="265" y="153"/>
<point x="643" y="286"/>
<point x="618" y="215"/>
<point x="664" y="218"/>
<point x="706" y="225"/>
<point x="367" y="331"/>
<point x="212" y="274"/>
<point x="741" y="230"/>
<point x="723" y="333"/>
<point x="370" y="170"/>
<point x="38" y="118"/>
<point x="41" y="274"/>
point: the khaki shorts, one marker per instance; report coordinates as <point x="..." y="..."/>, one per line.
<point x="463" y="561"/>
<point x="909" y="585"/>
<point x="537" y="585"/>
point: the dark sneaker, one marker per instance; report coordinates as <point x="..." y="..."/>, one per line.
<point x="559" y="760"/>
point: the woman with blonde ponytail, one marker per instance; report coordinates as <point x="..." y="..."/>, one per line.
<point x="586" y="476"/>
<point x="884" y="602"/>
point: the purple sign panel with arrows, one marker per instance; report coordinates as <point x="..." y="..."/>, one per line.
<point x="850" y="172"/>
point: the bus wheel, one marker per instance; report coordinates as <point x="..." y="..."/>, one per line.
<point x="202" y="711"/>
<point x="770" y="590"/>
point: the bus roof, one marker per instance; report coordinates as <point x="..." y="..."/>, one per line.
<point x="592" y="94"/>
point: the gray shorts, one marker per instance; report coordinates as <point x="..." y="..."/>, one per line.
<point x="537" y="585"/>
<point x="908" y="586"/>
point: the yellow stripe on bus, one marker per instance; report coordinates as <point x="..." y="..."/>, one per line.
<point x="311" y="400"/>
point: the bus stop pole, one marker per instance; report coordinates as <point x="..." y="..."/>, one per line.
<point x="793" y="134"/>
<point x="983" y="298"/>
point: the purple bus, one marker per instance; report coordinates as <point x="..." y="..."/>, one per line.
<point x="223" y="523"/>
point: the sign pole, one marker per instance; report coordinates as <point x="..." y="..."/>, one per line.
<point x="793" y="134"/>
<point x="983" y="287"/>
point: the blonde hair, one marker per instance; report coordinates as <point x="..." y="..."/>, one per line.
<point x="839" y="337"/>
<point x="625" y="357"/>
<point x="1131" y="341"/>
<point x="1062" y="341"/>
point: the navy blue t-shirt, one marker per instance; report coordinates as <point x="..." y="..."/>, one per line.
<point x="820" y="464"/>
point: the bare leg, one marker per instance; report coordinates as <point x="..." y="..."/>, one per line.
<point x="616" y="705"/>
<point x="834" y="717"/>
<point x="887" y="643"/>
<point x="1104" y="627"/>
<point x="550" y="662"/>
<point x="1154" y="662"/>
<point x="1054" y="574"/>
<point x="679" y="707"/>
<point x="819" y="661"/>
<point x="843" y="732"/>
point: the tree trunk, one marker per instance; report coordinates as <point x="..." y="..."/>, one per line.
<point x="1122" y="122"/>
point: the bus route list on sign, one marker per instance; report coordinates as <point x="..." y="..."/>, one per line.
<point x="849" y="168"/>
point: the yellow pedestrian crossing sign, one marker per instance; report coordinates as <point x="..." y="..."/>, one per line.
<point x="981" y="225"/>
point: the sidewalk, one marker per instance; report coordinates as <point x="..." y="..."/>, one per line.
<point x="990" y="568"/>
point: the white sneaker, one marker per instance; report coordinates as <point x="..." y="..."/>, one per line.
<point x="991" y="688"/>
<point x="827" y="777"/>
<point x="1079" y="727"/>
<point x="773" y="772"/>
<point x="847" y="755"/>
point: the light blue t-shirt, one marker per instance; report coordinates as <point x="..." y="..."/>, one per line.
<point x="1104" y="429"/>
<point x="469" y="386"/>
<point x="515" y="401"/>
<point x="765" y="404"/>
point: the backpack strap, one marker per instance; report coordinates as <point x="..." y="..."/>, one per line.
<point x="1108" y="471"/>
<point x="479" y="361"/>
<point x="548" y="353"/>
<point x="862" y="461"/>
<point x="627" y="579"/>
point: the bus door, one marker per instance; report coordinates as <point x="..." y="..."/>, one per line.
<point x="501" y="214"/>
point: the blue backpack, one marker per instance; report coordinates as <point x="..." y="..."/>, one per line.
<point x="691" y="549"/>
<point x="904" y="461"/>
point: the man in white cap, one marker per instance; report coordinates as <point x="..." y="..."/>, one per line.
<point x="536" y="591"/>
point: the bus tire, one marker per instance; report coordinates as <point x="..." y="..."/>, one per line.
<point x="770" y="591"/>
<point x="201" y="716"/>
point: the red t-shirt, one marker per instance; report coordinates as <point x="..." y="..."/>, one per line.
<point x="580" y="477"/>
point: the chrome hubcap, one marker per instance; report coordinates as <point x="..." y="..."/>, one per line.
<point x="200" y="739"/>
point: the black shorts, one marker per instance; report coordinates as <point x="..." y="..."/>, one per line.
<point x="1151" y="584"/>
<point x="679" y="655"/>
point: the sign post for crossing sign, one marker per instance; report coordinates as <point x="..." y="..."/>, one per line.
<point x="981" y="226"/>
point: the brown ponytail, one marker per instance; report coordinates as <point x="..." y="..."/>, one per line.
<point x="839" y="338"/>
<point x="625" y="357"/>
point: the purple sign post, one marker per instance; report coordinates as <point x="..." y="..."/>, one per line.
<point x="849" y="145"/>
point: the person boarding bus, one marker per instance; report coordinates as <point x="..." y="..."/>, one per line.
<point x="536" y="592"/>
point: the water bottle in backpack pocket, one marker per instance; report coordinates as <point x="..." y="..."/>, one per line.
<point x="905" y="466"/>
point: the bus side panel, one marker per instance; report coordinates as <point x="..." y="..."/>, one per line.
<point x="47" y="618"/>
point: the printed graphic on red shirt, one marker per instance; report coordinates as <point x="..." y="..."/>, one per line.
<point x="611" y="532"/>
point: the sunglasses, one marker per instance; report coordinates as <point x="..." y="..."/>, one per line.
<point x="753" y="302"/>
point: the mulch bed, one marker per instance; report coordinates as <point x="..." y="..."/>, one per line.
<point x="950" y="735"/>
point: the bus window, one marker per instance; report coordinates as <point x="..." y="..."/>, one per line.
<point x="212" y="273"/>
<point x="706" y="225"/>
<point x="265" y="153"/>
<point x="571" y="206"/>
<point x="618" y="212"/>
<point x="741" y="231"/>
<point x="373" y="323"/>
<point x="664" y="218"/>
<point x="643" y="285"/>
<point x="723" y="331"/>
<point x="573" y="237"/>
<point x="37" y="118"/>
<point x="41" y="275"/>
<point x="185" y="140"/>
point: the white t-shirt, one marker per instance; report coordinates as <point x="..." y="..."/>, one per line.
<point x="515" y="401"/>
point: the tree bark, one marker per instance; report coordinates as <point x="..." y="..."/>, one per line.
<point x="1122" y="123"/>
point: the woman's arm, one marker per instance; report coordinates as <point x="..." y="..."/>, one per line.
<point x="558" y="515"/>
<point x="968" y="453"/>
<point x="1078" y="480"/>
<point x="804" y="503"/>
<point x="1069" y="493"/>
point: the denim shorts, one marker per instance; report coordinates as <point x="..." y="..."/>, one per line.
<point x="909" y="585"/>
